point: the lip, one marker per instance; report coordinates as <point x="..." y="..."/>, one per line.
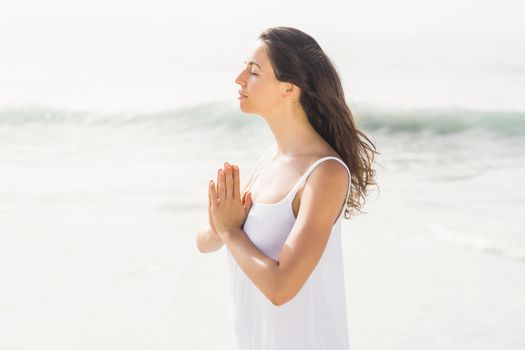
<point x="241" y="94"/>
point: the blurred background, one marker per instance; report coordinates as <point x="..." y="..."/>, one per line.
<point x="114" y="115"/>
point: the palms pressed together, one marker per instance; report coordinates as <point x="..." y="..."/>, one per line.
<point x="229" y="170"/>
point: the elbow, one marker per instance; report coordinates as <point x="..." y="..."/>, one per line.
<point x="279" y="300"/>
<point x="197" y="243"/>
<point x="283" y="288"/>
<point x="282" y="294"/>
<point x="275" y="295"/>
<point x="276" y="300"/>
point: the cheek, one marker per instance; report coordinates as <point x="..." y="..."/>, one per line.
<point x="271" y="95"/>
<point x="264" y="91"/>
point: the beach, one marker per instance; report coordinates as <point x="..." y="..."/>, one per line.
<point x="100" y="212"/>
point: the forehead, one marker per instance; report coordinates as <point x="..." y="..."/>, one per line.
<point x="257" y="53"/>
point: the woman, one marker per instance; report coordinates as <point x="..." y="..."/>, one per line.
<point x="283" y="230"/>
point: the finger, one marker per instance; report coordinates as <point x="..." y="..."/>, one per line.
<point x="213" y="194"/>
<point x="249" y="198"/>
<point x="217" y="184"/>
<point x="236" y="182"/>
<point x="222" y="192"/>
<point x="210" y="184"/>
<point x="229" y="181"/>
<point x="248" y="202"/>
<point x="209" y="193"/>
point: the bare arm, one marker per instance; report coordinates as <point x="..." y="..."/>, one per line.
<point x="209" y="241"/>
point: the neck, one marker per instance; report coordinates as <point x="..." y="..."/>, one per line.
<point x="293" y="132"/>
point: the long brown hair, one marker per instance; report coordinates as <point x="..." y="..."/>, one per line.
<point x="297" y="58"/>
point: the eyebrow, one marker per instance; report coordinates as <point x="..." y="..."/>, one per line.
<point x="252" y="62"/>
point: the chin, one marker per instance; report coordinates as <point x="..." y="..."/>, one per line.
<point x="244" y="108"/>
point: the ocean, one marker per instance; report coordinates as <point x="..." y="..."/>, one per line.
<point x="99" y="213"/>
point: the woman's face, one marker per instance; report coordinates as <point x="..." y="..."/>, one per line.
<point x="258" y="83"/>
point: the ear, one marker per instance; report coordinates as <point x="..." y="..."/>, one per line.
<point x="288" y="89"/>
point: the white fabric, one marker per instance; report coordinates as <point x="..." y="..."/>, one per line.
<point x="316" y="317"/>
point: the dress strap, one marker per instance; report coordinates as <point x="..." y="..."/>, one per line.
<point x="307" y="173"/>
<point x="268" y="159"/>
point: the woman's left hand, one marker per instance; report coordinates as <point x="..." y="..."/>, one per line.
<point x="228" y="209"/>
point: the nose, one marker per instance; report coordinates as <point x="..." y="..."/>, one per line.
<point x="239" y="80"/>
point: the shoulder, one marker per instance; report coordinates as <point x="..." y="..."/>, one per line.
<point x="330" y="175"/>
<point x="324" y="193"/>
<point x="335" y="170"/>
<point x="332" y="166"/>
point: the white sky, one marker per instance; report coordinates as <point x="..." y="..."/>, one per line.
<point x="156" y="54"/>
